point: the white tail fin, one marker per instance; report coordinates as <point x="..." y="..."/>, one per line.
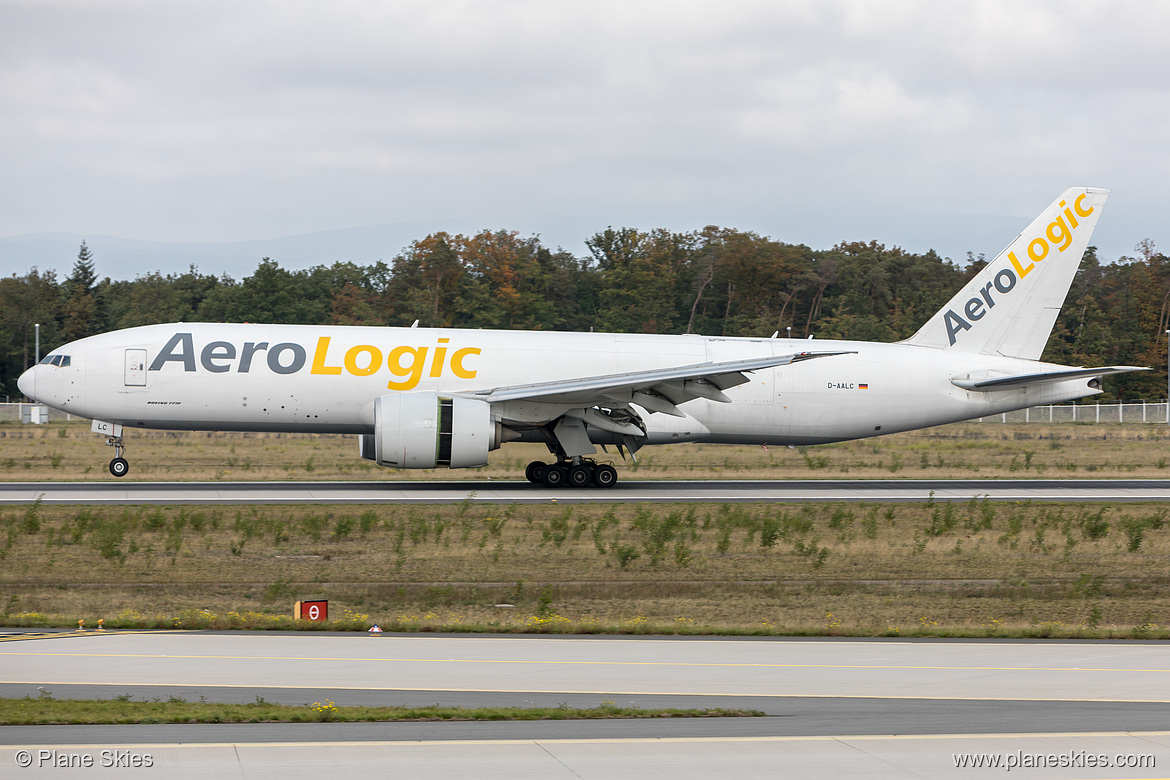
<point x="1009" y="308"/>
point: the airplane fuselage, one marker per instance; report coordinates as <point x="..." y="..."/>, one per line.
<point x="294" y="378"/>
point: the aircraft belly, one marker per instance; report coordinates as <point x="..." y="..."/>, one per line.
<point x="743" y="424"/>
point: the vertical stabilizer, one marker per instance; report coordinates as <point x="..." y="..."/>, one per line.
<point x="1009" y="308"/>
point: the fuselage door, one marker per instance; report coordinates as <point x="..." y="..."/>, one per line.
<point x="136" y="368"/>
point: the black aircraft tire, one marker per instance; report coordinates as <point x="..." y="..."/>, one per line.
<point x="119" y="467"/>
<point x="534" y="471"/>
<point x="554" y="476"/>
<point x="605" y="476"/>
<point x="580" y="476"/>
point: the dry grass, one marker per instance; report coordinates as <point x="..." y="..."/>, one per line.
<point x="971" y="567"/>
<point x="68" y="451"/>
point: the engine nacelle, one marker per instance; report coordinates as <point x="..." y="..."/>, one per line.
<point x="425" y="430"/>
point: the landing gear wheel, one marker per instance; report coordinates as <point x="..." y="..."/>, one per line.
<point x="119" y="467"/>
<point x="554" y="476"/>
<point x="534" y="471"/>
<point x="605" y="476"/>
<point x="580" y="476"/>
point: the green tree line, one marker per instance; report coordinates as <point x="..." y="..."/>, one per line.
<point x="715" y="281"/>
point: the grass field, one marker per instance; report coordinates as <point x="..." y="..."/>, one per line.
<point x="971" y="568"/>
<point x="68" y="451"/>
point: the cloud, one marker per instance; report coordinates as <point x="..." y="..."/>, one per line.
<point x="241" y="120"/>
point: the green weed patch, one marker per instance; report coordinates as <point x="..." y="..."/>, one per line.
<point x="46" y="710"/>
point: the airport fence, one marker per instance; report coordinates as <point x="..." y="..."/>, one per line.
<point x="29" y="413"/>
<point x="1129" y="412"/>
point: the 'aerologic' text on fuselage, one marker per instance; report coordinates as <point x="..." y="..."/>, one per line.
<point x="406" y="364"/>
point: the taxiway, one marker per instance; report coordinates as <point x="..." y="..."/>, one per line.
<point x="883" y="708"/>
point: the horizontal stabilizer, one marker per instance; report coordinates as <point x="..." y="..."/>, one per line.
<point x="1024" y="380"/>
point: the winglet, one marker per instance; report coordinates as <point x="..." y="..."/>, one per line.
<point x="1010" y="306"/>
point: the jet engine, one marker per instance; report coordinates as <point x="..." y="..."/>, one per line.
<point x="425" y="430"/>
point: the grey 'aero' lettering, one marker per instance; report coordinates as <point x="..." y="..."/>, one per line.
<point x="298" y="361"/>
<point x="186" y="355"/>
<point x="217" y="350"/>
<point x="1004" y="282"/>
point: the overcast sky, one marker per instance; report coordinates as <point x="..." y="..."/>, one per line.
<point x="811" y="122"/>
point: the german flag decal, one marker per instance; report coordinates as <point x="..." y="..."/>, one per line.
<point x="863" y="386"/>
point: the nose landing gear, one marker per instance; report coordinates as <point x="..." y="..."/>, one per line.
<point x="119" y="466"/>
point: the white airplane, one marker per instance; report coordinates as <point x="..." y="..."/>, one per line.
<point x="421" y="398"/>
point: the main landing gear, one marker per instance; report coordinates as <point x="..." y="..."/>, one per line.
<point x="119" y="466"/>
<point x="567" y="473"/>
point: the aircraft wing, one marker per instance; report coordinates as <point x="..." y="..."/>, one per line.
<point x="657" y="389"/>
<point x="1023" y="380"/>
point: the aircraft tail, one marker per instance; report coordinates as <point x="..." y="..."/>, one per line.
<point x="1010" y="306"/>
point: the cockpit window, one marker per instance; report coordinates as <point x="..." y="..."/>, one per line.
<point x="47" y="360"/>
<point x="64" y="361"/>
<point x="55" y="360"/>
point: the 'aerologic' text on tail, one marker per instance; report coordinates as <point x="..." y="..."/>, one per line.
<point x="1009" y="308"/>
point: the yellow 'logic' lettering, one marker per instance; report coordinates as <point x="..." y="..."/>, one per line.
<point x="371" y="367"/>
<point x="412" y="372"/>
<point x="440" y="356"/>
<point x="457" y="362"/>
<point x="1016" y="263"/>
<point x="405" y="362"/>
<point x="319" y="366"/>
<point x="1058" y="232"/>
<point x="1037" y="250"/>
<point x="1077" y="205"/>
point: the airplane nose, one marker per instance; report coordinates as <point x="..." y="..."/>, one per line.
<point x="27" y="382"/>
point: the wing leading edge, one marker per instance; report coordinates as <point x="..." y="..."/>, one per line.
<point x="675" y="385"/>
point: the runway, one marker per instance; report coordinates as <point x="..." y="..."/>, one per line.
<point x="875" y="708"/>
<point x="1102" y="671"/>
<point x="631" y="491"/>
